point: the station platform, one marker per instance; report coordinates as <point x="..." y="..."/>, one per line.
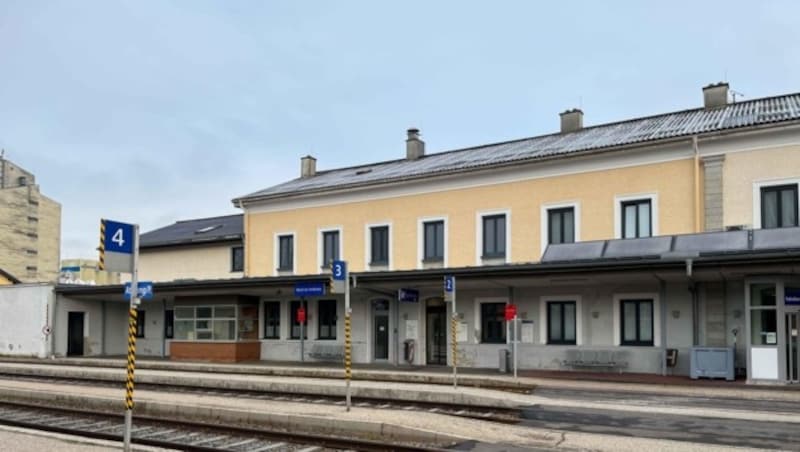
<point x="527" y="381"/>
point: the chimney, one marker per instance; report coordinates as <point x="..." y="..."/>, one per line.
<point x="308" y="167"/>
<point x="715" y="96"/>
<point x="415" y="148"/>
<point x="571" y="120"/>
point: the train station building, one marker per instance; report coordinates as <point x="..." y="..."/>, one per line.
<point x="664" y="244"/>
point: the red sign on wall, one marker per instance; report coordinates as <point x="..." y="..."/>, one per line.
<point x="511" y="312"/>
<point x="301" y="315"/>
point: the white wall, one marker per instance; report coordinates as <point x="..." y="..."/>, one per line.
<point x="24" y="311"/>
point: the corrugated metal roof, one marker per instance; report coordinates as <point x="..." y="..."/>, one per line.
<point x="607" y="136"/>
<point x="200" y="230"/>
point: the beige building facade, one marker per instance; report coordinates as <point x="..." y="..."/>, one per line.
<point x="85" y="271"/>
<point x="30" y="227"/>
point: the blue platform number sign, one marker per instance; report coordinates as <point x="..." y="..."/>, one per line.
<point x="449" y="283"/>
<point x="119" y="237"/>
<point x="339" y="270"/>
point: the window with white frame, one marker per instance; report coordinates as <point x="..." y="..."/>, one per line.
<point x="637" y="218"/>
<point x="433" y="241"/>
<point x="493" y="326"/>
<point x="561" y="322"/>
<point x="636" y="322"/>
<point x="330" y="247"/>
<point x="560" y="225"/>
<point x="779" y="206"/>
<point x="286" y="253"/>
<point x="198" y="323"/>
<point x="494" y="236"/>
<point x="379" y="245"/>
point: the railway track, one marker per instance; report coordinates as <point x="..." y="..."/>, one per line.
<point x="177" y="435"/>
<point x="484" y="413"/>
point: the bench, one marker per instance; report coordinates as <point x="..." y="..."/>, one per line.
<point x="327" y="352"/>
<point x="598" y="359"/>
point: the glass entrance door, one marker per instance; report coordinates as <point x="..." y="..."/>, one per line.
<point x="436" y="335"/>
<point x="793" y="347"/>
<point x="381" y="336"/>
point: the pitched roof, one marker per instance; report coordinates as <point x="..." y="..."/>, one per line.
<point x="9" y="277"/>
<point x="200" y="230"/>
<point x="698" y="121"/>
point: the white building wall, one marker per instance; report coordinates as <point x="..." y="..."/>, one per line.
<point x="24" y="311"/>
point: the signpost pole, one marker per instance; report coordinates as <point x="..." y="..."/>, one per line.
<point x="347" y="344"/>
<point x="454" y="327"/>
<point x="516" y="340"/>
<point x="131" y="342"/>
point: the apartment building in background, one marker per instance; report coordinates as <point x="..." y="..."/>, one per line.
<point x="30" y="226"/>
<point x="620" y="245"/>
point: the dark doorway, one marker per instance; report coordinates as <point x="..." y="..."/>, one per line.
<point x="381" y="336"/>
<point x="436" y="334"/>
<point x="75" y="334"/>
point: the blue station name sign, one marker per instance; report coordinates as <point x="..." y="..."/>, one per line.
<point x="309" y="289"/>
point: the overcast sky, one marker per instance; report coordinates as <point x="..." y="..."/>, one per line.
<point x="150" y="112"/>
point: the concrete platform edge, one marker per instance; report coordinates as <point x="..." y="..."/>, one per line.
<point x="222" y="416"/>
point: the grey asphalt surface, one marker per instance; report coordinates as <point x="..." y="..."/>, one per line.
<point x="727" y="432"/>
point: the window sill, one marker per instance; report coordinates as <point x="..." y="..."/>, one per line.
<point x="433" y="260"/>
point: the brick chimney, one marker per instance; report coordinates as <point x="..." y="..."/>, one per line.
<point x="715" y="96"/>
<point x="571" y="120"/>
<point x="308" y="167"/>
<point x="415" y="148"/>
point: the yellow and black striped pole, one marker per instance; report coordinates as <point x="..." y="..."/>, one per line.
<point x="132" y="319"/>
<point x="101" y="263"/>
<point x="347" y="355"/>
<point x="453" y="338"/>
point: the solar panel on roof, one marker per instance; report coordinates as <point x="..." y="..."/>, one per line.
<point x="573" y="251"/>
<point x="722" y="242"/>
<point x="776" y="239"/>
<point x="651" y="246"/>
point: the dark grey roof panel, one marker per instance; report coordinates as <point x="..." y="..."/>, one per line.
<point x="200" y="230"/>
<point x="573" y="251"/>
<point x="712" y="242"/>
<point x="782" y="238"/>
<point x="651" y="246"/>
<point x="666" y="126"/>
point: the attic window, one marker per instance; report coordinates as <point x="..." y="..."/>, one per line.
<point x="207" y="229"/>
<point x="363" y="171"/>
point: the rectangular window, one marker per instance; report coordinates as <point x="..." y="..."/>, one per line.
<point x="237" y="259"/>
<point x="286" y="253"/>
<point x="561" y="225"/>
<point x="636" y="219"/>
<point x="140" y="320"/>
<point x="494" y="236"/>
<point x="330" y="247"/>
<point x="272" y="320"/>
<point x="561" y="322"/>
<point x="637" y="322"/>
<point x="493" y="327"/>
<point x="327" y="319"/>
<point x="779" y="206"/>
<point x="433" y="241"/>
<point x="169" y="324"/>
<point x="379" y="242"/>
<point x="295" y="333"/>
<point x="205" y="323"/>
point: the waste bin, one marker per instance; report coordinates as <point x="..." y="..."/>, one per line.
<point x="505" y="358"/>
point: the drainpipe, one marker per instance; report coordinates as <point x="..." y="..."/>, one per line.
<point x="662" y="296"/>
<point x="695" y="303"/>
<point x="696" y="184"/>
